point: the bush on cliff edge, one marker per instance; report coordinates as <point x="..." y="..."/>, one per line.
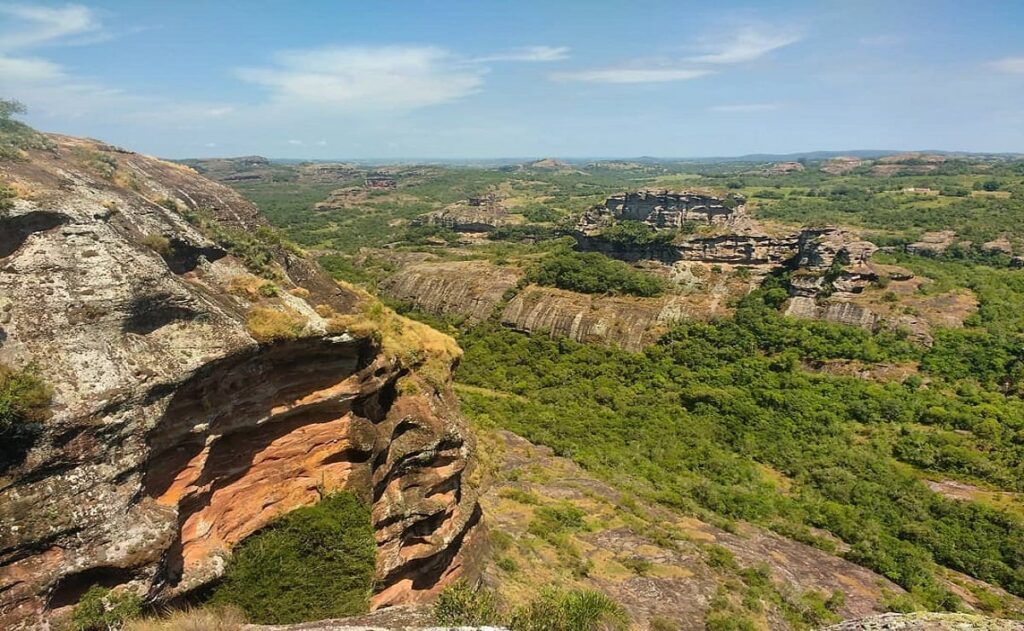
<point x="314" y="563"/>
<point x="24" y="405"/>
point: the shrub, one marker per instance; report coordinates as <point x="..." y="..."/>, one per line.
<point x="635" y="234"/>
<point x="576" y="610"/>
<point x="663" y="623"/>
<point x="728" y="621"/>
<point x="507" y="564"/>
<point x="316" y="562"/>
<point x="553" y="520"/>
<point x="24" y="405"/>
<point x="268" y="325"/>
<point x="101" y="609"/>
<point x="158" y="243"/>
<point x="639" y="565"/>
<point x="6" y="195"/>
<point x="520" y="495"/>
<point x="719" y="556"/>
<point x="168" y="203"/>
<point x="268" y="290"/>
<point x="461" y="605"/>
<point x="15" y="136"/>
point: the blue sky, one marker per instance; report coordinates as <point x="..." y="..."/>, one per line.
<point x="480" y="79"/>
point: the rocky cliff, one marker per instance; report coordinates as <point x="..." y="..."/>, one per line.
<point x="194" y="400"/>
<point x="726" y="234"/>
<point x="662" y="209"/>
<point x="471" y="289"/>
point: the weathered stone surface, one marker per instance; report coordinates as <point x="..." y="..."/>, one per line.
<point x="659" y="209"/>
<point x="467" y="288"/>
<point x="927" y="622"/>
<point x="175" y="433"/>
<point x="932" y="243"/>
<point x="467" y="218"/>
<point x="624" y="321"/>
<point x="841" y="165"/>
<point x="1001" y="245"/>
<point x="782" y="168"/>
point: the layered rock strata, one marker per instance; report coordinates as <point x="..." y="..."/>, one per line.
<point x="180" y="423"/>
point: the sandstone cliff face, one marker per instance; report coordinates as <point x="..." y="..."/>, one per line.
<point x="467" y="288"/>
<point x="175" y="432"/>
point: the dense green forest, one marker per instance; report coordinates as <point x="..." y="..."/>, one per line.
<point x="594" y="273"/>
<point x="692" y="421"/>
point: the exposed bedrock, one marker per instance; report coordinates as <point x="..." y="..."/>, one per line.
<point x="467" y="288"/>
<point x="175" y="432"/>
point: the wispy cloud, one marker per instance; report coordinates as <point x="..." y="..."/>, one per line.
<point x="29" y="70"/>
<point x="742" y="108"/>
<point x="631" y="75"/>
<point x="35" y="26"/>
<point x="529" y="54"/>
<point x="1012" y="65"/>
<point x="748" y="44"/>
<point x="361" y="78"/>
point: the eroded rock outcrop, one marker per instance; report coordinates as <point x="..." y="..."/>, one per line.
<point x="725" y="233"/>
<point x="471" y="289"/>
<point x="661" y="209"/>
<point x="179" y="427"/>
<point x="470" y="218"/>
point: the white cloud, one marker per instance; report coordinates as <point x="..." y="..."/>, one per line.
<point x="740" y="108"/>
<point x="1012" y="65"/>
<point x="297" y="143"/>
<point x="29" y="70"/>
<point x="631" y="75"/>
<point x="529" y="54"/>
<point x="358" y="78"/>
<point x="45" y="25"/>
<point x="321" y="143"/>
<point x="748" y="44"/>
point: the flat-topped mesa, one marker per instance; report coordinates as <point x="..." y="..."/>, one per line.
<point x="195" y="402"/>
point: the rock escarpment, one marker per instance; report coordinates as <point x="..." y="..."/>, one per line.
<point x="471" y="289"/>
<point x="195" y="402"/>
<point x="662" y="209"/>
<point x="724" y="234"/>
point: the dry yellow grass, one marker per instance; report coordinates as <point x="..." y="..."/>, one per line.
<point x="204" y="619"/>
<point x="412" y="343"/>
<point x="249" y="287"/>
<point x="268" y="325"/>
<point x="158" y="243"/>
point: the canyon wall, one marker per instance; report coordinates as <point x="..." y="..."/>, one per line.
<point x="195" y="401"/>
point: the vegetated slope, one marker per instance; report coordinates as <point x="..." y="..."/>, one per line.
<point x="207" y="378"/>
<point x="553" y="523"/>
<point x="722" y="418"/>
